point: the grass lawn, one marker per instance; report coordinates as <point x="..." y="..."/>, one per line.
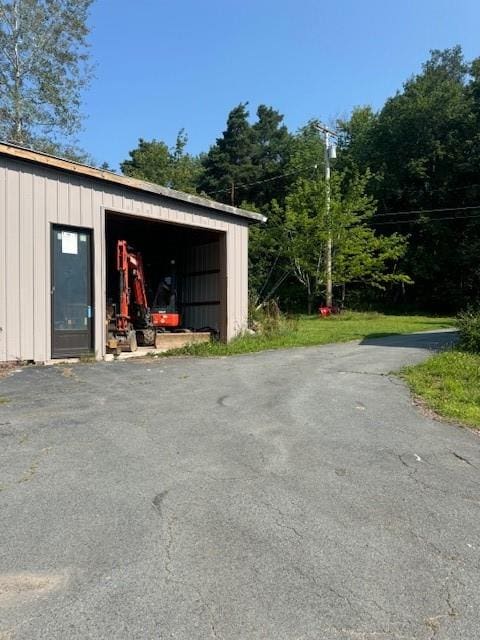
<point x="449" y="383"/>
<point x="311" y="330"/>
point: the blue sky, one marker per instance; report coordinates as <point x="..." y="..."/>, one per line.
<point x="163" y="65"/>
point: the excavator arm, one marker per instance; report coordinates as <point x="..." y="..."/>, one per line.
<point x="132" y="281"/>
<point x="134" y="314"/>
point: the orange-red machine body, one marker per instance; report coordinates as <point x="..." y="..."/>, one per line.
<point x="134" y="314"/>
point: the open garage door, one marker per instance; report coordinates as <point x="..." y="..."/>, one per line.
<point x="194" y="259"/>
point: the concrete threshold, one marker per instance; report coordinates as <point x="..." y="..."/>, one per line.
<point x="165" y="342"/>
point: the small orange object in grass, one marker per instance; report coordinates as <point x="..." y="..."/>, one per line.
<point x="323" y="312"/>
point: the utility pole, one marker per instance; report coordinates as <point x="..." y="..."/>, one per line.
<point x="329" y="154"/>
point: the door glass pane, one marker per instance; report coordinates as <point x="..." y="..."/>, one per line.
<point x="71" y="308"/>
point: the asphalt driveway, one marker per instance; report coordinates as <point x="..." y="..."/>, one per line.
<point x="286" y="495"/>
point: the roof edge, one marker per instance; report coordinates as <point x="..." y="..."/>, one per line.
<point x="16" y="151"/>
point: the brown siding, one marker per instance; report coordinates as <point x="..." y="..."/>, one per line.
<point x="33" y="197"/>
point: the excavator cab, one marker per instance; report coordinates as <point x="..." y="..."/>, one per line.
<point x="164" y="311"/>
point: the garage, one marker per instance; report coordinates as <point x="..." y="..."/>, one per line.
<point x="61" y="226"/>
<point x="184" y="273"/>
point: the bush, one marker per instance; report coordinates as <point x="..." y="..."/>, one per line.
<point x="269" y="321"/>
<point x="469" y="330"/>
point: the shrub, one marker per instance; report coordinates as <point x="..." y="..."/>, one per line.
<point x="269" y="321"/>
<point x="469" y="330"/>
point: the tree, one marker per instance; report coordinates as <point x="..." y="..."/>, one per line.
<point x="269" y="265"/>
<point x="273" y="147"/>
<point x="229" y="165"/>
<point x="359" y="255"/>
<point x="284" y="158"/>
<point x="422" y="149"/>
<point x="155" y="162"/>
<point x="150" y="161"/>
<point x="186" y="170"/>
<point x="43" y="69"/>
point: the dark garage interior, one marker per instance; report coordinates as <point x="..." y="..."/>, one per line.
<point x="193" y="257"/>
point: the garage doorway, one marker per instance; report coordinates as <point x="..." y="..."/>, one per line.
<point x="72" y="306"/>
<point x="195" y="256"/>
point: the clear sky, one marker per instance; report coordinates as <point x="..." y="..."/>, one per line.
<point x="163" y="65"/>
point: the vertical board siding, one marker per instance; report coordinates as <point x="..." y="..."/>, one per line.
<point x="237" y="279"/>
<point x="86" y="208"/>
<point x="233" y="270"/>
<point x="40" y="265"/>
<point x="52" y="215"/>
<point x="197" y="285"/>
<point x="3" y="265"/>
<point x="26" y="266"/>
<point x="32" y="198"/>
<point x="13" y="238"/>
<point x="63" y="209"/>
<point x="74" y="204"/>
<point x="202" y="317"/>
<point x="99" y="271"/>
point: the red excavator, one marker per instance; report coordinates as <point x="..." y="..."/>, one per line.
<point x="135" y="322"/>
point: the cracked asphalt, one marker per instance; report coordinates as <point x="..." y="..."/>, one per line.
<point x="284" y="495"/>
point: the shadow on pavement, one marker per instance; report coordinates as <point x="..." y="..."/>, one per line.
<point x="434" y="340"/>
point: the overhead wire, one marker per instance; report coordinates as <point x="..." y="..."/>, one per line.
<point x="376" y="215"/>
<point x="271" y="179"/>
<point x="417" y="221"/>
<point x="420" y="211"/>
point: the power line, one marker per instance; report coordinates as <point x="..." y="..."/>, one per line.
<point x="416" y="221"/>
<point x="419" y="211"/>
<point x="251" y="184"/>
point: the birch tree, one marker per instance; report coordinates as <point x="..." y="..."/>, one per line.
<point x="43" y="69"/>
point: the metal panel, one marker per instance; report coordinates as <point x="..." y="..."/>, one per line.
<point x="74" y="202"/>
<point x="237" y="279"/>
<point x="12" y="269"/>
<point x="33" y="197"/>
<point x="199" y="285"/>
<point x="99" y="271"/>
<point x="86" y="208"/>
<point x="3" y="264"/>
<point x="26" y="266"/>
<point x="202" y="316"/>
<point x="41" y="267"/>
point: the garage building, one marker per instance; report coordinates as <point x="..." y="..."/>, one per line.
<point x="59" y="224"/>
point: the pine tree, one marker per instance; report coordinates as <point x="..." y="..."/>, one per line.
<point x="228" y="167"/>
<point x="273" y="147"/>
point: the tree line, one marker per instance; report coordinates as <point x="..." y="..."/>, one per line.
<point x="405" y="193"/>
<point x="401" y="211"/>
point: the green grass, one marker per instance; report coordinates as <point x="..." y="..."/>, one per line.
<point x="449" y="383"/>
<point x="3" y="400"/>
<point x="310" y="330"/>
